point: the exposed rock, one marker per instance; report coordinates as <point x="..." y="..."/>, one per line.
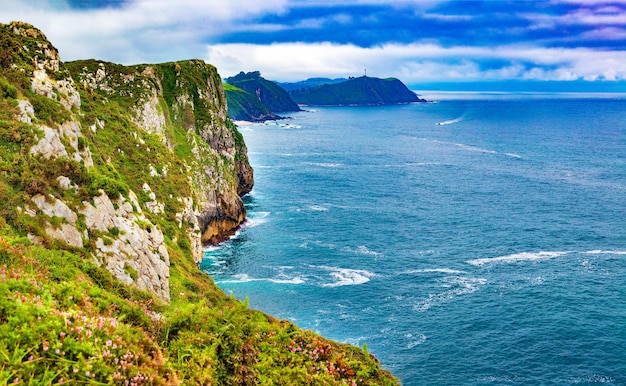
<point x="50" y="145"/>
<point x="135" y="243"/>
<point x="65" y="183"/>
<point x="149" y="116"/>
<point x="153" y="205"/>
<point x="66" y="231"/>
<point x="27" y="112"/>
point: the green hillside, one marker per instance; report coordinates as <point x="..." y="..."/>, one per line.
<point x="111" y="180"/>
<point x="269" y="93"/>
<point x="243" y="106"/>
<point x="363" y="91"/>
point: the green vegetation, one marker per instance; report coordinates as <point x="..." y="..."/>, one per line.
<point x="270" y="94"/>
<point x="363" y="91"/>
<point x="66" y="319"/>
<point x="243" y="106"/>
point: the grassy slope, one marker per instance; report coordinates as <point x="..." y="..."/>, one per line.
<point x="64" y="319"/>
<point x="274" y="97"/>
<point x="243" y="106"/>
<point x="356" y="91"/>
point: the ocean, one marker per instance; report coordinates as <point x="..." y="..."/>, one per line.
<point x="479" y="239"/>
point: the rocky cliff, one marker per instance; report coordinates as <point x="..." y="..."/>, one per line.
<point x="135" y="144"/>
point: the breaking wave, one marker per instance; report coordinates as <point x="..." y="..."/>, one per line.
<point x="517" y="257"/>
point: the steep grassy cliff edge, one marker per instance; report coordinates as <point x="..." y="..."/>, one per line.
<point x="111" y="180"/>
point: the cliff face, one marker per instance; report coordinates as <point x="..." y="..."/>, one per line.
<point x="113" y="150"/>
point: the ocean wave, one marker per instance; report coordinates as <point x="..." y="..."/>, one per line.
<point x="594" y="378"/>
<point x="257" y="219"/>
<point x="317" y="243"/>
<point x="458" y="285"/>
<point x="517" y="257"/>
<point x="434" y="270"/>
<point x="245" y="278"/>
<point x="312" y="208"/>
<point x="471" y="148"/>
<point x="450" y="121"/>
<point x="324" y="164"/>
<point x="603" y="252"/>
<point x="362" y="250"/>
<point x="415" y="340"/>
<point x="346" y="276"/>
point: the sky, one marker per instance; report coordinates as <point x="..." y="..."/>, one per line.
<point x="562" y="44"/>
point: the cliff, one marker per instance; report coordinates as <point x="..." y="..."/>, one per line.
<point x="363" y="91"/>
<point x="111" y="180"/>
<point x="243" y="106"/>
<point x="270" y="94"/>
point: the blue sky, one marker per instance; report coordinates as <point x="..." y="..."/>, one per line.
<point x="574" y="43"/>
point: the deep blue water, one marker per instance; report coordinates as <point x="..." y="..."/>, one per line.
<point x="490" y="249"/>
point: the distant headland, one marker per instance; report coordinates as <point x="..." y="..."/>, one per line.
<point x="252" y="98"/>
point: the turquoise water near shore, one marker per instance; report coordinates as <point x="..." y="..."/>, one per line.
<point x="477" y="240"/>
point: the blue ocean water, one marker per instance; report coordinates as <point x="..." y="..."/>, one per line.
<point x="478" y="240"/>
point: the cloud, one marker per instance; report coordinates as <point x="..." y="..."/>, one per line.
<point x="415" y="63"/>
<point x="139" y="30"/>
<point x="414" y="40"/>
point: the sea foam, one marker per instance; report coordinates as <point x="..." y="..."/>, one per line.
<point x="455" y="286"/>
<point x="244" y="278"/>
<point x="434" y="270"/>
<point x="517" y="257"/>
<point x="346" y="276"/>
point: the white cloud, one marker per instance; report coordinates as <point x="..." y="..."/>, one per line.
<point x="414" y="63"/>
<point x="141" y="30"/>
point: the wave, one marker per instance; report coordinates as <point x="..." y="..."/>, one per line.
<point x="434" y="270"/>
<point x="346" y="276"/>
<point x="359" y="250"/>
<point x="517" y="257"/>
<point x="460" y="285"/>
<point x="256" y="220"/>
<point x="324" y="164"/>
<point x="471" y="148"/>
<point x="362" y="250"/>
<point x="603" y="252"/>
<point x="245" y="278"/>
<point x="280" y="124"/>
<point x="450" y="121"/>
<point x="317" y="243"/>
<point x="415" y="340"/>
<point x="312" y="208"/>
